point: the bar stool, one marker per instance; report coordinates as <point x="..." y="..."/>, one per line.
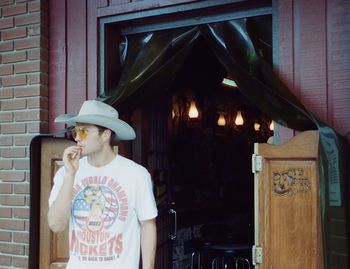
<point x="227" y="256"/>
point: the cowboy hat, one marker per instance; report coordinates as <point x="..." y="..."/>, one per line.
<point x="98" y="113"/>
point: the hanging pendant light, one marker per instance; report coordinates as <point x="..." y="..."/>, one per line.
<point x="221" y="120"/>
<point x="239" y="118"/>
<point x="193" y="111"/>
<point x="257" y="126"/>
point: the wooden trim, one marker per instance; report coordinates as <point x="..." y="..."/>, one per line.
<point x="146" y="5"/>
<point x="77" y="49"/>
<point x="92" y="50"/>
<point x="57" y="63"/>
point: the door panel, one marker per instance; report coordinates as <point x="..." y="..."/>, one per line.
<point x="288" y="224"/>
<point x="54" y="251"/>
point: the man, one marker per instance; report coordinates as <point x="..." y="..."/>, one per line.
<point x="106" y="199"/>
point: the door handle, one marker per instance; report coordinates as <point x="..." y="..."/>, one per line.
<point x="173" y="235"/>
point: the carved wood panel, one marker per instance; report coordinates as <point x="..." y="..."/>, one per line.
<point x="288" y="217"/>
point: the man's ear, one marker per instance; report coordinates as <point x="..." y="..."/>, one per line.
<point x="107" y="134"/>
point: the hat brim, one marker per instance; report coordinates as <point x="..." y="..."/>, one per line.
<point x="122" y="130"/>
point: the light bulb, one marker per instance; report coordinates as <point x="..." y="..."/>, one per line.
<point x="193" y="111"/>
<point x="221" y="120"/>
<point x="272" y="126"/>
<point x="239" y="119"/>
<point x="256" y="126"/>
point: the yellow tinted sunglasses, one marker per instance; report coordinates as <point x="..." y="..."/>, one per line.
<point x="82" y="133"/>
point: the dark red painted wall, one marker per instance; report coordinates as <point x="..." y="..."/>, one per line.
<point x="314" y="57"/>
<point x="311" y="54"/>
<point x="73" y="56"/>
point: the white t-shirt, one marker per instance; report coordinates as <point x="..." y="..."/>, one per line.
<point x="107" y="204"/>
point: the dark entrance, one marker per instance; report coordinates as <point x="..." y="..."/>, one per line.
<point x="202" y="168"/>
<point x="209" y="170"/>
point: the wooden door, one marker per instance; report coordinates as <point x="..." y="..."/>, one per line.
<point x="287" y="210"/>
<point x="54" y="252"/>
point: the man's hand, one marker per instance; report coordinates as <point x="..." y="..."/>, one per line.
<point x="71" y="156"/>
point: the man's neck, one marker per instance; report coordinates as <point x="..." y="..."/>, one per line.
<point x="101" y="159"/>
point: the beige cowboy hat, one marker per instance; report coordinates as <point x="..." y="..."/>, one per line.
<point x="98" y="113"/>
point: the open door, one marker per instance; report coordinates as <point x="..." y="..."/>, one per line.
<point x="54" y="252"/>
<point x="287" y="204"/>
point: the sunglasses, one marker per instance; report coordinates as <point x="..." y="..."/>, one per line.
<point x="81" y="132"/>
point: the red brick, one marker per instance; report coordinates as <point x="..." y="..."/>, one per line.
<point x="32" y="66"/>
<point x="6" y="117"/>
<point x="15" y="152"/>
<point x="12" y="176"/>
<point x="14" y="33"/>
<point x="34" y="54"/>
<point x="13" y="10"/>
<point x="37" y="102"/>
<point x="28" y="180"/>
<point x="6" y="140"/>
<point x="6" y="93"/>
<point x="14" y="80"/>
<point x="34" y="30"/>
<point x="34" y="90"/>
<point x="5" y="165"/>
<point x="21" y="164"/>
<point x="6" y="23"/>
<point x="13" y="104"/>
<point x="22" y="188"/>
<point x="33" y="78"/>
<point x="6" y="46"/>
<point x="17" y="249"/>
<point x="35" y="127"/>
<point x="5" y="188"/>
<point x="6" y="2"/>
<point x="14" y="57"/>
<point x="5" y="236"/>
<point x="21" y="213"/>
<point x="20" y="262"/>
<point x="30" y="115"/>
<point x="27" y="19"/>
<point x="27" y="43"/>
<point x="5" y="212"/>
<point x="13" y="128"/>
<point x="12" y="200"/>
<point x="23" y="140"/>
<point x="6" y="69"/>
<point x="5" y="260"/>
<point x="34" y="6"/>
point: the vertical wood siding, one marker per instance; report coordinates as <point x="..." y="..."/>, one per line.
<point x="73" y="56"/>
<point x="313" y="59"/>
<point x="338" y="52"/>
<point x="314" y="56"/>
<point x="57" y="60"/>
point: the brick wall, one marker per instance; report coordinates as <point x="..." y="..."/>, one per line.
<point x="23" y="114"/>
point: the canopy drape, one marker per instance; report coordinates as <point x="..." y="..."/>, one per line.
<point x="150" y="61"/>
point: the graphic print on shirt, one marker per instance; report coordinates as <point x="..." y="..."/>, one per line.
<point x="99" y="208"/>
